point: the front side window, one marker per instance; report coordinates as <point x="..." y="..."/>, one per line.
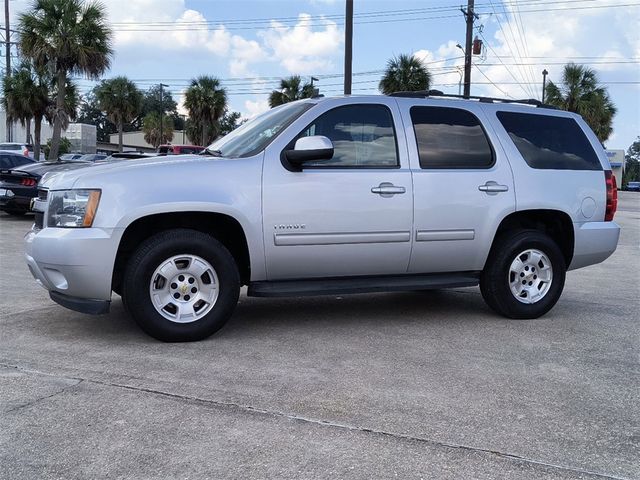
<point x="362" y="135"/>
<point x="450" y="138"/>
<point x="550" y="142"/>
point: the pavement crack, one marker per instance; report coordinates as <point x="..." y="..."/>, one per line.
<point x="309" y="420"/>
<point x="46" y="397"/>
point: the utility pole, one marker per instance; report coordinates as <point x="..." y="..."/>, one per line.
<point x="470" y="17"/>
<point x="348" y="46"/>
<point x="544" y="82"/>
<point x="7" y="44"/>
<point x="161" y="111"/>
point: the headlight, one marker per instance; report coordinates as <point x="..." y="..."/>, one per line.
<point x="72" y="208"/>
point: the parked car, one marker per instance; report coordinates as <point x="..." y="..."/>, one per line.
<point x="633" y="186"/>
<point x="24" y="149"/>
<point x="71" y="156"/>
<point x="332" y="196"/>
<point x="10" y="160"/>
<point x="19" y="184"/>
<point x="179" y="149"/>
<point x="92" y="157"/>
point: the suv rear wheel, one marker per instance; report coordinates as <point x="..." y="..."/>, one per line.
<point x="524" y="275"/>
<point x="181" y="285"/>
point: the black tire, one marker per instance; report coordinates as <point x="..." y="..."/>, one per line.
<point x="494" y="280"/>
<point x="150" y="255"/>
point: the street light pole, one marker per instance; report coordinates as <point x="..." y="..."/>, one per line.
<point x="544" y="83"/>
<point x="161" y="110"/>
<point x="348" y="46"/>
<point x="470" y="17"/>
<point x="7" y="43"/>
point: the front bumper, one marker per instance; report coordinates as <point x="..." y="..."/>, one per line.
<point x="594" y="242"/>
<point x="75" y="265"/>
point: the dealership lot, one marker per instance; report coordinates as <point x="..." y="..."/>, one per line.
<point x="417" y="384"/>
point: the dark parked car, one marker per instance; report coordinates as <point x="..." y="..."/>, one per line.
<point x="10" y="160"/>
<point x="19" y="184"/>
<point x="633" y="186"/>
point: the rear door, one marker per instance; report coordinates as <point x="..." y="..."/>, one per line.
<point x="348" y="216"/>
<point x="463" y="185"/>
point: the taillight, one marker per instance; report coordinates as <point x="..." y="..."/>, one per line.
<point x="28" y="182"/>
<point x="612" y="195"/>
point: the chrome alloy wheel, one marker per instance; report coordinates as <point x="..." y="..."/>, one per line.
<point x="184" y="288"/>
<point x="530" y="276"/>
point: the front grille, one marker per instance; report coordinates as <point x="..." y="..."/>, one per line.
<point x="42" y="194"/>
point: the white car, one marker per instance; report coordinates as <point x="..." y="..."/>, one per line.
<point x="25" y="149"/>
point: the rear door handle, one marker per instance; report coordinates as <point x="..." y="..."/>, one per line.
<point x="493" y="188"/>
<point x="386" y="189"/>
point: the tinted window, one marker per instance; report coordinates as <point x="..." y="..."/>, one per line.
<point x="362" y="136"/>
<point x="450" y="138"/>
<point x="5" y="161"/>
<point x="19" y="160"/>
<point x="545" y="141"/>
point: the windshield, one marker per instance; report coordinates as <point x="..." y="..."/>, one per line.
<point x="257" y="133"/>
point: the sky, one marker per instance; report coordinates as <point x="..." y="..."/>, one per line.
<point x="250" y="44"/>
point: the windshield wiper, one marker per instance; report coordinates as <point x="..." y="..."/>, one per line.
<point x="213" y="153"/>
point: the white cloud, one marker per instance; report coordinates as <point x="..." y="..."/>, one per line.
<point x="300" y="49"/>
<point x="253" y="108"/>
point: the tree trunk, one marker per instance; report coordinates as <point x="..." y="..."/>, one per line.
<point x="204" y="134"/>
<point x="37" y="126"/>
<point x="28" y="135"/>
<point x="120" y="127"/>
<point x="57" y="121"/>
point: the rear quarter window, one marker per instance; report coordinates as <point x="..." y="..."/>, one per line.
<point x="550" y="142"/>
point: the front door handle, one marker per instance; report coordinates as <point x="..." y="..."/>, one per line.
<point x="386" y="189"/>
<point x="493" y="188"/>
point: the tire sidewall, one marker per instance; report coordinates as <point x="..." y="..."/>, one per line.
<point x="498" y="274"/>
<point x="156" y="251"/>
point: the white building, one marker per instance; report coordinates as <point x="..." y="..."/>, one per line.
<point x="617" y="162"/>
<point x="81" y="135"/>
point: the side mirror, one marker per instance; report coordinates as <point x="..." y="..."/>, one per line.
<point x="309" y="149"/>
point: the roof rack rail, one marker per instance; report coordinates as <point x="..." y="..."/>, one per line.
<point x="438" y="93"/>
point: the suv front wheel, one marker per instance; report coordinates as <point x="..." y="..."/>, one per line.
<point x="524" y="275"/>
<point x="181" y="285"/>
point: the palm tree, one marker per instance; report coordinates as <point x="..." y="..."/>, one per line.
<point x="580" y="93"/>
<point x="291" y="89"/>
<point x="151" y="129"/>
<point x="405" y="73"/>
<point x="121" y="100"/>
<point x="67" y="37"/>
<point x="17" y="91"/>
<point x="26" y="98"/>
<point x="206" y="102"/>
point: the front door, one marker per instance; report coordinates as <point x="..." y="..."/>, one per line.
<point x="337" y="217"/>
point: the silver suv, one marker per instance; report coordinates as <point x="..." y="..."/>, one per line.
<point x="334" y="195"/>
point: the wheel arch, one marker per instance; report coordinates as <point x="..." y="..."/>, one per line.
<point x="225" y="228"/>
<point x="555" y="223"/>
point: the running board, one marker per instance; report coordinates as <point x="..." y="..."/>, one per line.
<point x="346" y="285"/>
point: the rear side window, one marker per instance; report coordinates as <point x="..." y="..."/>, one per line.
<point x="450" y="138"/>
<point x="549" y="142"/>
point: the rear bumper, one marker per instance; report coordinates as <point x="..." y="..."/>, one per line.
<point x="15" y="202"/>
<point x="594" y="243"/>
